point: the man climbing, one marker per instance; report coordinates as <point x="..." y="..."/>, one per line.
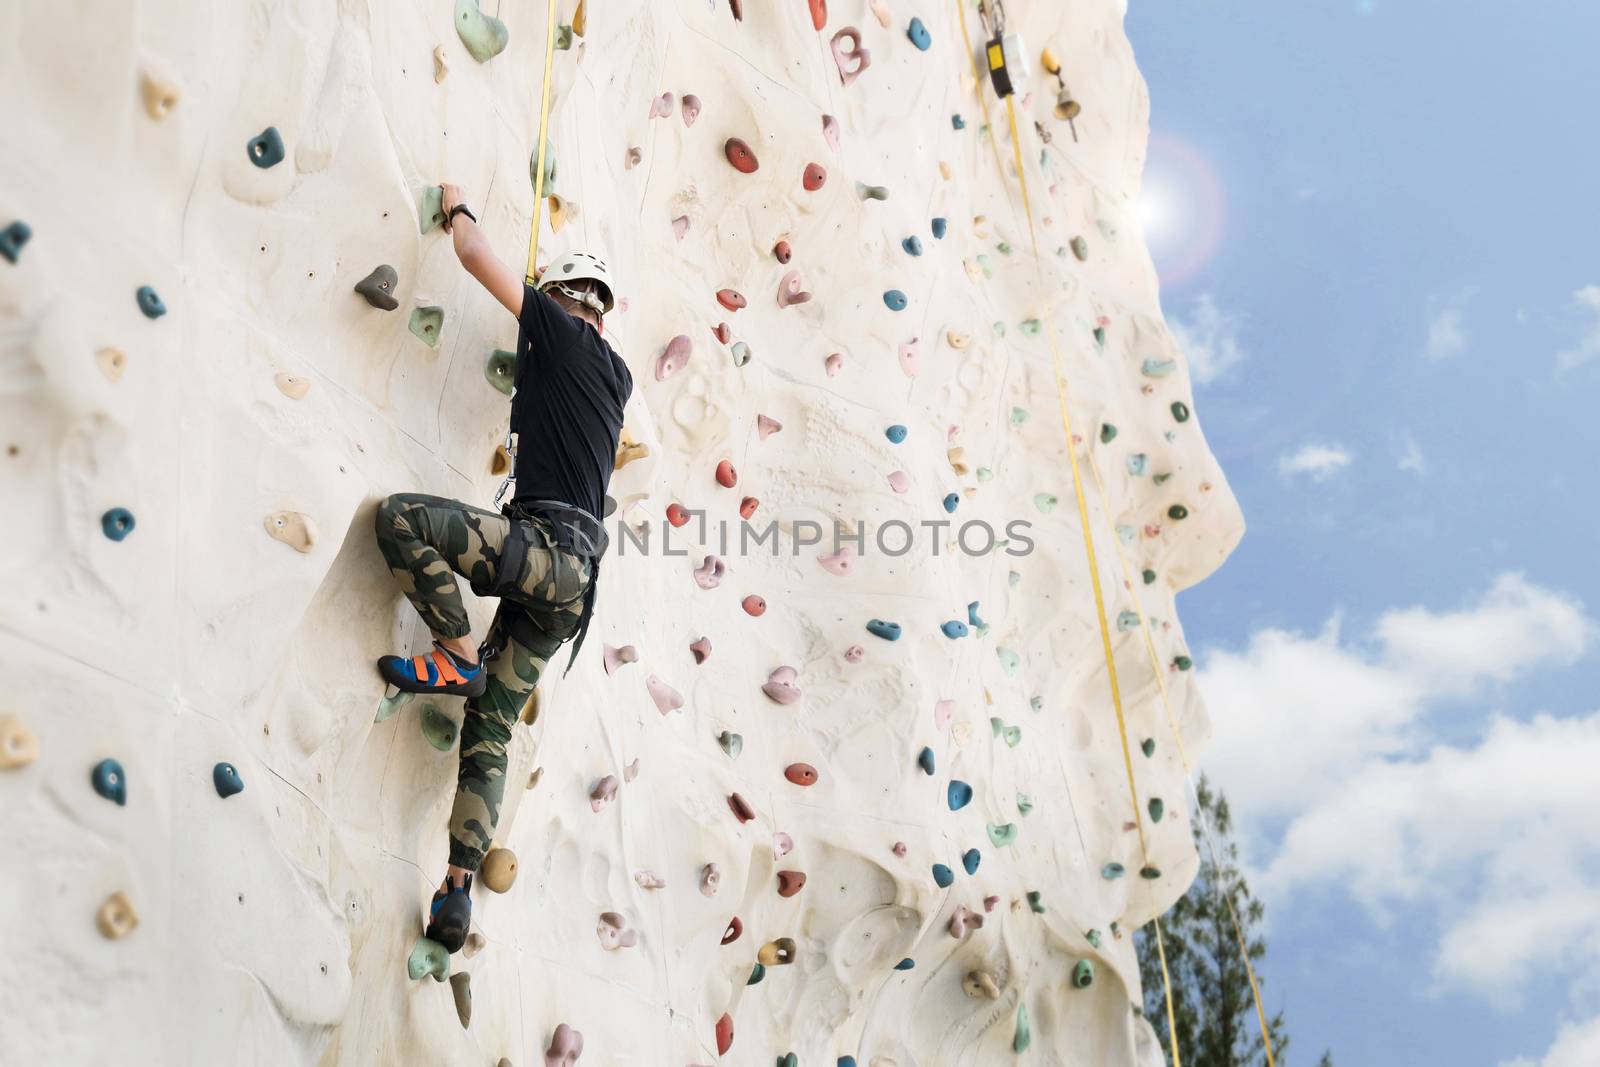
<point x="539" y="557"/>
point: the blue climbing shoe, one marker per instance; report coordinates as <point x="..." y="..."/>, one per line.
<point x="439" y="672"/>
<point x="450" y="915"/>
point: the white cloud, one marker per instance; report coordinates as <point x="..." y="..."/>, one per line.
<point x="1446" y="335"/>
<point x="1209" y="338"/>
<point x="1578" y="1045"/>
<point x="1411" y="458"/>
<point x="1588" y="347"/>
<point x="1320" y="462"/>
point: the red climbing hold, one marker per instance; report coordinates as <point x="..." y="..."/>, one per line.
<point x="722" y="333"/>
<point x="782" y="252"/>
<point x="791" y="882"/>
<point x="819" y="13"/>
<point x="730" y="299"/>
<point x="727" y="477"/>
<point x="801" y="773"/>
<point x="740" y="807"/>
<point x="814" y="177"/>
<point x="724" y="1027"/>
<point x="747" y="507"/>
<point x="737" y="7"/>
<point x="739" y="154"/>
<point x="677" y="514"/>
<point x="731" y="934"/>
<point x="754" y="606"/>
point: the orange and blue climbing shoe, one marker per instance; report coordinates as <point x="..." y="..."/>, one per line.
<point x="437" y="672"/>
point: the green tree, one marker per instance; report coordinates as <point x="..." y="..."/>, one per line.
<point x="1213" y="1006"/>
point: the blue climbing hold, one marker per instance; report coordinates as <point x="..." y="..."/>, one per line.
<point x="895" y="434"/>
<point x="972" y="617"/>
<point x="919" y="35"/>
<point x="109" y="781"/>
<point x="14" y="236"/>
<point x="958" y="122"/>
<point x="265" y="149"/>
<point x="889" y="631"/>
<point x="925" y="760"/>
<point x="150" y="303"/>
<point x="954" y="629"/>
<point x="895" y="300"/>
<point x="970" y="859"/>
<point x="905" y="964"/>
<point x="950" y="502"/>
<point x="226" y="780"/>
<point x="958" y="795"/>
<point x="940" y="225"/>
<point x="117" y="523"/>
<point x="846" y="1061"/>
<point x="1138" y="463"/>
<point x="912" y="245"/>
<point x="943" y="876"/>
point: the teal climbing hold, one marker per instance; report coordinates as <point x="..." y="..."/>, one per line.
<point x="957" y="122"/>
<point x="919" y="35"/>
<point x="438" y="729"/>
<point x="1030" y="327"/>
<point x="1112" y="871"/>
<point x="1108" y="433"/>
<point x="985" y="474"/>
<point x="265" y="149"/>
<point x="895" y="433"/>
<point x="1100" y="336"/>
<point x="912" y="245"/>
<point x="484" y="35"/>
<point x="1083" y="974"/>
<point x="905" y="964"/>
<point x="117" y="523"/>
<point x="1183" y="663"/>
<point x="996" y="725"/>
<point x="428" y="957"/>
<point x="430" y="213"/>
<point x="1093" y="937"/>
<point x="225" y="779"/>
<point x="943" y="876"/>
<point x="549" y="167"/>
<point x="1024" y="1035"/>
<point x="426" y="323"/>
<point x="1148" y="747"/>
<point x="1149" y="874"/>
<point x="1002" y="835"/>
<point x="1157" y="808"/>
<point x="14" y="236"/>
<point x="388" y="706"/>
<point x="894" y="300"/>
<point x="1127" y="534"/>
<point x="1036" y="901"/>
<point x="757" y="974"/>
<point x="1138" y="463"/>
<point x="954" y="629"/>
<point x="972" y="616"/>
<point x="925" y="760"/>
<point x="846" y="1061"/>
<point x="1045" y="502"/>
<point x="1148" y="575"/>
<point x="940" y="225"/>
<point x="789" y="1060"/>
<point x="150" y="303"/>
<point x="500" y="370"/>
<point x="1012" y="736"/>
<point x="1180" y="411"/>
<point x="1126" y="621"/>
<point x="1036" y="703"/>
<point x="889" y="631"/>
<point x="958" y="794"/>
<point x="1019" y="416"/>
<point x="1009" y="661"/>
<point x="988" y="272"/>
<point x="1177" y="512"/>
<point x="731" y="743"/>
<point x="1024" y="803"/>
<point x="951" y="502"/>
<point x="1158" y="368"/>
<point x="970" y="860"/>
<point x="109" y="781"/>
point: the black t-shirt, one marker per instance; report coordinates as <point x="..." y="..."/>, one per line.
<point x="567" y="411"/>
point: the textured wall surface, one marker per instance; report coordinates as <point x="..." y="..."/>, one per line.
<point x="274" y="924"/>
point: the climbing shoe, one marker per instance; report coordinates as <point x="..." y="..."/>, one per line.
<point x="450" y="915"/>
<point x="437" y="672"/>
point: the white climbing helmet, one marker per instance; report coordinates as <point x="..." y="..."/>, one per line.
<point x="580" y="266"/>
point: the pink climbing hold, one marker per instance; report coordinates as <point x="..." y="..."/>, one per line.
<point x="782" y="252"/>
<point x="943" y="712"/>
<point x="630" y="771"/>
<point x="899" y="848"/>
<point x="603" y="793"/>
<point x="790" y="291"/>
<point x="780" y="686"/>
<point x="700" y="649"/>
<point x="834" y="364"/>
<point x="782" y="845"/>
<point x="566" y="1045"/>
<point x="666" y="698"/>
<point x="661" y="106"/>
<point x="754" y="606"/>
<point x="790" y="882"/>
<point x="674" y="358"/>
<point x="910" y="358"/>
<point x="731" y="932"/>
<point x="989" y="902"/>
<point x="710" y="879"/>
<point x="613" y="932"/>
<point x="747" y="507"/>
<point x="724" y="1034"/>
<point x="739" y="154"/>
<point x="963" y="920"/>
<point x="899" y="481"/>
<point x="830" y="131"/>
<point x="722" y="333"/>
<point x="709" y="574"/>
<point x="740" y="807"/>
<point x="727" y="477"/>
<point x="819" y="13"/>
<point x="851" y="60"/>
<point x="839" y="563"/>
<point x="814" y="177"/>
<point x="730" y="299"/>
<point x="617" y="657"/>
<point x="677" y="514"/>
<point x="691" y="109"/>
<point x="766" y="426"/>
<point x="801" y="773"/>
<point x="680" y="226"/>
<point x="854" y="654"/>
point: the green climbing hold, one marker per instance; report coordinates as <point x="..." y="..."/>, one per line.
<point x="117" y="523"/>
<point x="501" y="370"/>
<point x="741" y="353"/>
<point x="1002" y="835"/>
<point x="756" y="975"/>
<point x="1162" y="479"/>
<point x="1180" y="411"/>
<point x="985" y="474"/>
<point x="484" y="35"/>
<point x="426" y="324"/>
<point x="1036" y="901"/>
<point x="428" y="957"/>
<point x="1183" y="663"/>
<point x="983" y="265"/>
<point x="1149" y="576"/>
<point x="564" y="38"/>
<point x="389" y="705"/>
<point x="1004" y="248"/>
<point x="1177" y="512"/>
<point x="788" y="1059"/>
<point x="1083" y="974"/>
<point x="12" y="238"/>
<point x="1126" y="621"/>
<point x="731" y="743"/>
<point x="1158" y="808"/>
<point x="1045" y="502"/>
<point x="1093" y="937"/>
<point x="1080" y="248"/>
<point x="1100" y="336"/>
<point x="438" y="729"/>
<point x="549" y="167"/>
<point x="1112" y="871"/>
<point x="1024" y="803"/>
<point x="1019" y="416"/>
<point x="1158" y="368"/>
<point x="1108" y="433"/>
<point x="1029" y="327"/>
<point x="1149" y="874"/>
<point x="1009" y="661"/>
<point x="1024" y="1035"/>
<point x="430" y="213"/>
<point x="1013" y="736"/>
<point x="265" y="149"/>
<point x="999" y="329"/>
<point x="1148" y="747"/>
<point x="996" y="725"/>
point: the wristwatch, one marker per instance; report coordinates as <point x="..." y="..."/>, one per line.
<point x="460" y="209"/>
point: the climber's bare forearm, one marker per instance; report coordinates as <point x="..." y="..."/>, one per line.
<point x="472" y="248"/>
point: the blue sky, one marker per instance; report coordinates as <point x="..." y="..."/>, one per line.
<point x="1399" y="323"/>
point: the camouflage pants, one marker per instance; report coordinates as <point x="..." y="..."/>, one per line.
<point x="427" y="541"/>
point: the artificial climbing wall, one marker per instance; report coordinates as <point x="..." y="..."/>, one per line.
<point x="200" y="412"/>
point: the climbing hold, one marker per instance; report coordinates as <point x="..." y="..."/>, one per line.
<point x="1009" y="661"/>
<point x="854" y="653"/>
<point x="741" y="353"/>
<point x="819" y="13"/>
<point x="838" y="563"/>
<point x="1148" y="747"/>
<point x="615" y="658"/>
<point x="1180" y="411"/>
<point x="1083" y="974"/>
<point x="225" y="779"/>
<point x="634" y="158"/>
<point x="814" y="177"/>
<point x="113" y="361"/>
<point x="116" y="917"/>
<point x="426" y="323"/>
<point x="292" y="528"/>
<point x="889" y="631"/>
<point x="954" y="629"/>
<point x="1100" y="336"/>
<point x="830" y="131"/>
<point x="1024" y="1034"/>
<point x="782" y="252"/>
<point x="428" y="957"/>
<point x="1177" y="511"/>
<point x="963" y="920"/>
<point x="790" y="882"/>
<point x="958" y="794"/>
<point x="943" y="712"/>
<point x="727" y="477"/>
<point x="1183" y="663"/>
<point x="725" y="1024"/>
<point x="438" y="729"/>
<point x="748" y="506"/>
<point x="801" y="773"/>
<point x="940" y="226"/>
<point x="957" y="122"/>
<point x="613" y="932"/>
<point x="1045" y="502"/>
<point x="912" y="245"/>
<point x="1158" y="368"/>
<point x="833" y="364"/>
<point x="628" y="450"/>
<point x="710" y="879"/>
<point x="849" y="55"/>
<point x="782" y="845"/>
<point x="791" y="290"/>
<point x="440" y="68"/>
<point x="379" y="286"/>
<point x="780" y="686"/>
<point x="150" y="303"/>
<point x="666" y="698"/>
<point x="740" y="807"/>
<point x="895" y="300"/>
<point x="18" y="745"/>
<point x="1035" y="902"/>
<point x="899" y="481"/>
<point x="925" y="760"/>
<point x="951" y="501"/>
<point x="500" y="370"/>
<point x="1138" y="463"/>
<point x="1012" y="735"/>
<point x="1148" y="575"/>
<point x="603" y="792"/>
<point x="1108" y="433"/>
<point x="484" y="35"/>
<point x="160" y="95"/>
<point x="1112" y="871"/>
<point x="1149" y="874"/>
<point x="1080" y="248"/>
<point x="691" y="109"/>
<point x="12" y="238"/>
<point x="566" y="1045"/>
<point x="904" y="965"/>
<point x="710" y="573"/>
<point x="943" y="876"/>
<point x="265" y="149"/>
<point x="680" y="227"/>
<point x="109" y="781"/>
<point x="461" y="990"/>
<point x="871" y="192"/>
<point x="739" y="154"/>
<point x="499" y="869"/>
<point x="754" y="606"/>
<point x="970" y="860"/>
<point x="730" y="299"/>
<point x="919" y="35"/>
<point x="766" y="427"/>
<point x="700" y="649"/>
<point x="1126" y="621"/>
<point x="1002" y="835"/>
<point x="430" y="212"/>
<point x="117" y="523"/>
<point x="980" y="984"/>
<point x="1157" y="808"/>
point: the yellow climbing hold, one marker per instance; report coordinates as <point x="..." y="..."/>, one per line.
<point x="292" y="385"/>
<point x="116" y="917"/>
<point x="293" y="529"/>
<point x="18" y="746"/>
<point x="160" y="95"/>
<point x="112" y="362"/>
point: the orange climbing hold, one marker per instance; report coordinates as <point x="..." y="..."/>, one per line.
<point x="819" y="13"/>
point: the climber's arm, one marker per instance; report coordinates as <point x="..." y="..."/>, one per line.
<point x="472" y="248"/>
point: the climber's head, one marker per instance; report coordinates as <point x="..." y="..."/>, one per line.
<point x="581" y="284"/>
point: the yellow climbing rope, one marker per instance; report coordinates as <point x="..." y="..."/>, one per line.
<point x="544" y="133"/>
